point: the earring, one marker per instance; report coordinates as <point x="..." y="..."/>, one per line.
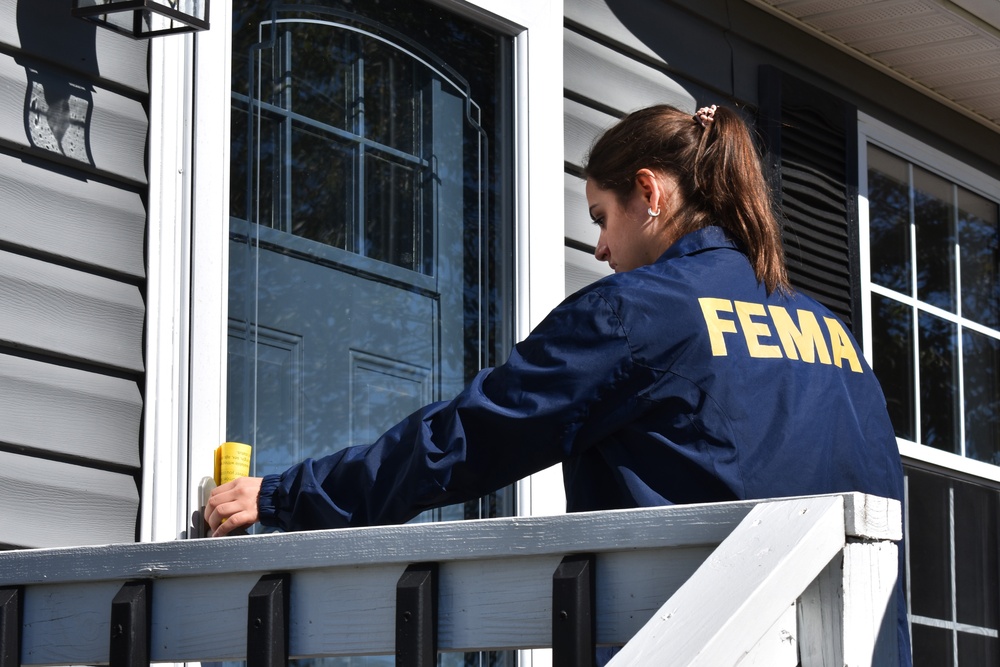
<point x="652" y="213"/>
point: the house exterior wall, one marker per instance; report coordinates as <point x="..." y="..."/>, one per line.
<point x="74" y="103"/>
<point x="73" y="127"/>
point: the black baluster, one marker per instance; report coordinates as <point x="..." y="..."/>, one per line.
<point x="574" y="619"/>
<point x="267" y="622"/>
<point x="416" y="616"/>
<point x="131" y="613"/>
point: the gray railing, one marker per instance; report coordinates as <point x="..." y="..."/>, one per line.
<point x="783" y="582"/>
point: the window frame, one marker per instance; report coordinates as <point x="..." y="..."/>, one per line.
<point x="188" y="221"/>
<point x="871" y="130"/>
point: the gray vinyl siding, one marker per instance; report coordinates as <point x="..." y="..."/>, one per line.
<point x="73" y="128"/>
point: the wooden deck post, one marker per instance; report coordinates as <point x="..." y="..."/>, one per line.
<point x="732" y="600"/>
<point x="848" y="615"/>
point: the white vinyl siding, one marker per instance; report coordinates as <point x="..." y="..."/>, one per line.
<point x="73" y="127"/>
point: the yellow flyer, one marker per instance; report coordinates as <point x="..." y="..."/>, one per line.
<point x="232" y="460"/>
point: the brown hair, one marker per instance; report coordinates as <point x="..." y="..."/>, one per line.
<point x="718" y="172"/>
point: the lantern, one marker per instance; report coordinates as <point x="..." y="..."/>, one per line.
<point x="145" y="18"/>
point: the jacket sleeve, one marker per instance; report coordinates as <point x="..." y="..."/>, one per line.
<point x="565" y="387"/>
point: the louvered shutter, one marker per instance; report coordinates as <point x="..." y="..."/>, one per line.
<point x="812" y="155"/>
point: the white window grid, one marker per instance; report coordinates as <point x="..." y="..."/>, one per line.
<point x="960" y="174"/>
<point x="950" y="624"/>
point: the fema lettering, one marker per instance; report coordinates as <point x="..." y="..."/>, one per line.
<point x="807" y="340"/>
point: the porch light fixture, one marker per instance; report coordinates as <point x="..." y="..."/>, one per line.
<point x="145" y="18"/>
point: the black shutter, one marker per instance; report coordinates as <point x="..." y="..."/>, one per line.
<point x="811" y="152"/>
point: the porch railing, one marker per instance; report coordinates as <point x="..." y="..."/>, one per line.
<point x="805" y="581"/>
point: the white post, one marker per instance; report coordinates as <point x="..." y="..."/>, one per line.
<point x="848" y="615"/>
<point x="727" y="606"/>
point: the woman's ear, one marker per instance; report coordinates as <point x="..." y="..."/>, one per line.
<point x="648" y="186"/>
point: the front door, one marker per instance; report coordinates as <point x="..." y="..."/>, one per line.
<point x="365" y="245"/>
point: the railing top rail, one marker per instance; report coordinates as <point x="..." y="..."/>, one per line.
<point x="866" y="517"/>
<point x="494" y="581"/>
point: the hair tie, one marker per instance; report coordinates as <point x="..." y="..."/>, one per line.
<point x="705" y="115"/>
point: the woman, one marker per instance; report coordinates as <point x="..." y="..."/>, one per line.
<point x="694" y="374"/>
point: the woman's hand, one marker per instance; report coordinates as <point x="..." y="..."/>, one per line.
<point x="233" y="505"/>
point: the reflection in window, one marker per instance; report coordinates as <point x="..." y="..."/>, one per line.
<point x="345" y="136"/>
<point x="981" y="365"/>
<point x="980" y="249"/>
<point x="889" y="220"/>
<point x="954" y="588"/>
<point x="935" y="273"/>
<point x="892" y="339"/>
<point x="938" y="382"/>
<point x="933" y="221"/>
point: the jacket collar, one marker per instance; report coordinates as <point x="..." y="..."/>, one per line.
<point x="706" y="238"/>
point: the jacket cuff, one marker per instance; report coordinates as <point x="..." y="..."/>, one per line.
<point x="267" y="501"/>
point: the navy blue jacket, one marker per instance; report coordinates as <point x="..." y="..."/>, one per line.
<point x="678" y="382"/>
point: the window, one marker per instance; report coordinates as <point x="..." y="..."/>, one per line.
<point x="952" y="561"/>
<point x="934" y="254"/>
<point x="932" y="291"/>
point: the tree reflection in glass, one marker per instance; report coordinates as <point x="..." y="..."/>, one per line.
<point x="934" y="222"/>
<point x="979" y="240"/>
<point x="889" y="220"/>
<point x="981" y="370"/>
<point x="939" y="408"/>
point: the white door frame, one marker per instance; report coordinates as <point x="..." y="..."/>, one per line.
<point x="188" y="277"/>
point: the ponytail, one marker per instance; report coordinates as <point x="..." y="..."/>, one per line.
<point x="715" y="163"/>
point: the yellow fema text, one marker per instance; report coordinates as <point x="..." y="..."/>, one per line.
<point x="804" y="341"/>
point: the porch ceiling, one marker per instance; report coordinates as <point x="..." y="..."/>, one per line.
<point x="949" y="50"/>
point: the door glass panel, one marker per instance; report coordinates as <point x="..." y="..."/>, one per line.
<point x="394" y="215"/>
<point x="932" y="647"/>
<point x="393" y="85"/>
<point x="370" y="238"/>
<point x="319" y="201"/>
<point x="951" y="551"/>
